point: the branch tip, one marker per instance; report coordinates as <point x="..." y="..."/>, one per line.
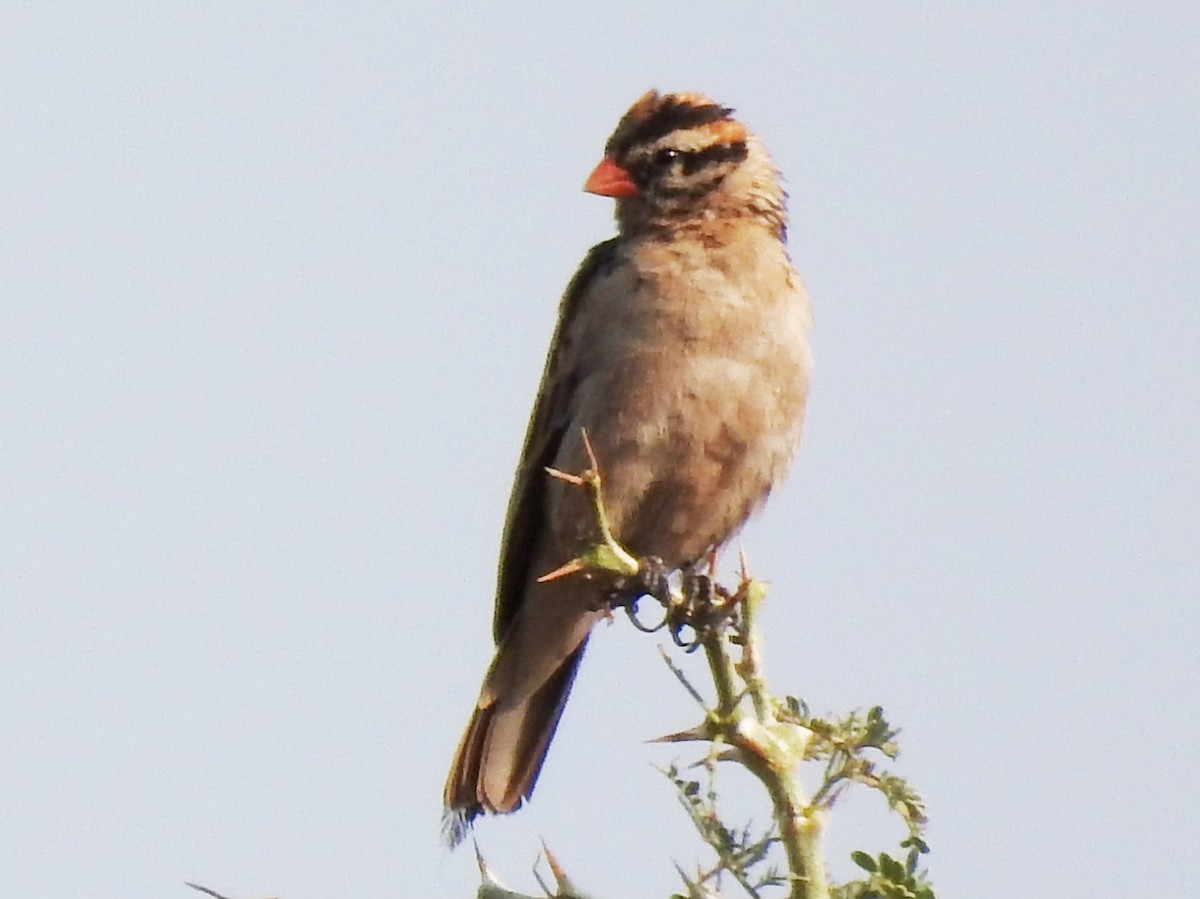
<point x="562" y="571"/>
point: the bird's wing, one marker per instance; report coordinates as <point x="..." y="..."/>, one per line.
<point x="547" y="425"/>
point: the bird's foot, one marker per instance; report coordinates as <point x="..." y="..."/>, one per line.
<point x="689" y="611"/>
<point x="703" y="605"/>
<point x="653" y="579"/>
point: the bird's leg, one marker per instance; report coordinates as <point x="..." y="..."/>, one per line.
<point x="683" y="614"/>
<point x="653" y="579"/>
<point x="703" y="606"/>
<point x="698" y="589"/>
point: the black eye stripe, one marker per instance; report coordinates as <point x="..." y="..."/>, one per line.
<point x="654" y="168"/>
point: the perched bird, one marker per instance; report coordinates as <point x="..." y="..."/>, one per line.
<point x="682" y="350"/>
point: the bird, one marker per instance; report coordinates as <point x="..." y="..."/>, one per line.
<point x="681" y="354"/>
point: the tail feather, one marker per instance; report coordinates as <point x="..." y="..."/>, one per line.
<point x="502" y="751"/>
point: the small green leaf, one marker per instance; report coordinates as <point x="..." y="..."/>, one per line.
<point x="890" y="868"/>
<point x="864" y="861"/>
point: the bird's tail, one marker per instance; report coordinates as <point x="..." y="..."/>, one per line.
<point x="502" y="751"/>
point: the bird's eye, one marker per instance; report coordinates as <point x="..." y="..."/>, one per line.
<point x="664" y="158"/>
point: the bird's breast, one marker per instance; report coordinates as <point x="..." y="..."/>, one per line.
<point x="690" y="382"/>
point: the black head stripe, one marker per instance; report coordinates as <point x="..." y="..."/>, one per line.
<point x="673" y="115"/>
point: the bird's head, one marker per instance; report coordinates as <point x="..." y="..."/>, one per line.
<point x="680" y="160"/>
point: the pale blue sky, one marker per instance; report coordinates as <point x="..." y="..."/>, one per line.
<point x="275" y="288"/>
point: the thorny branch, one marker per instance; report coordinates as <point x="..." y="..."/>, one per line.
<point x="743" y="724"/>
<point x="747" y="724"/>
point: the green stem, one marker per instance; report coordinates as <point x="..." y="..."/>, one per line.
<point x="775" y="764"/>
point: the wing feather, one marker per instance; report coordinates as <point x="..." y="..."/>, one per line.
<point x="547" y="426"/>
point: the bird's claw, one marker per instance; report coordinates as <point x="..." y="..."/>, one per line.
<point x="631" y="614"/>
<point x="689" y="614"/>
